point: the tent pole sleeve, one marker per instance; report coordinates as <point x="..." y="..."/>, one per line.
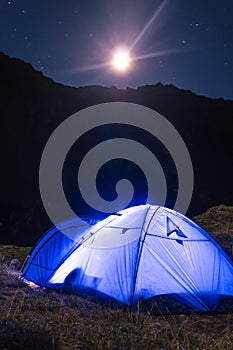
<point x="139" y="253"/>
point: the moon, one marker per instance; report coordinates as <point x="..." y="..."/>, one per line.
<point x="121" y="61"/>
<point x="122" y="58"/>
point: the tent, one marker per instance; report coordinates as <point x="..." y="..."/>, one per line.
<point x="144" y="253"/>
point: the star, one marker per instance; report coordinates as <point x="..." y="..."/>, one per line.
<point x="146" y="35"/>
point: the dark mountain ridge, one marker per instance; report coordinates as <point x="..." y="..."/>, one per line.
<point x="32" y="106"/>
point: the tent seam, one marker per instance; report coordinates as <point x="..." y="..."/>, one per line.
<point x="139" y="252"/>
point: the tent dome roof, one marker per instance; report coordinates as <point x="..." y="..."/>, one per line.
<point x="142" y="252"/>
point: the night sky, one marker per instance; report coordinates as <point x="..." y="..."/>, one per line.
<point x="192" y="41"/>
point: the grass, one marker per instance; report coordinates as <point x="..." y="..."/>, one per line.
<point x="58" y="320"/>
<point x="218" y="221"/>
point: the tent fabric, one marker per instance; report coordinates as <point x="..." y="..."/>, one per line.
<point x="141" y="253"/>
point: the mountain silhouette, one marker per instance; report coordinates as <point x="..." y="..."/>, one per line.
<point x="32" y="106"/>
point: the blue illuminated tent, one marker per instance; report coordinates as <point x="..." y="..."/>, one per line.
<point x="147" y="253"/>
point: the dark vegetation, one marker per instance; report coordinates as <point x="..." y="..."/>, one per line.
<point x="40" y="319"/>
<point x="218" y="221"/>
<point x="32" y="106"/>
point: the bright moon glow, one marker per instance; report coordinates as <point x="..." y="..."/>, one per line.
<point x="121" y="61"/>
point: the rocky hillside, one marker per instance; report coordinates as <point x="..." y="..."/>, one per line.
<point x="32" y="106"/>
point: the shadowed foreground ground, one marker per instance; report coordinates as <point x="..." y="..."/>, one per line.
<point x="52" y="320"/>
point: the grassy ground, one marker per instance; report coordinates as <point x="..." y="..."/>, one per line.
<point x="52" y="320"/>
<point x="218" y="222"/>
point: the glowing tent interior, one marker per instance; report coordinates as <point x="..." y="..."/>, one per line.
<point x="141" y="253"/>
